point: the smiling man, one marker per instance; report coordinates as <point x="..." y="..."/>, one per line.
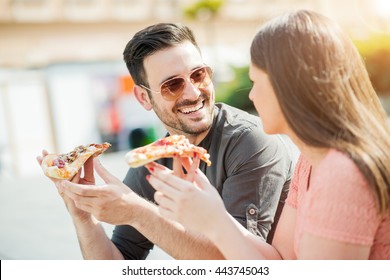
<point x="251" y="170"/>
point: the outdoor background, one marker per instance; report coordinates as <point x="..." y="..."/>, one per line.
<point x="63" y="83"/>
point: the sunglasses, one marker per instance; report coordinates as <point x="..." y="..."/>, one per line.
<point x="173" y="88"/>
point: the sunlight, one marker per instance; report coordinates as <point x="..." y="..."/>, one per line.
<point x="382" y="8"/>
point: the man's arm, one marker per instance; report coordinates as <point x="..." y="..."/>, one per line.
<point x="114" y="203"/>
<point x="172" y="237"/>
<point x="94" y="243"/>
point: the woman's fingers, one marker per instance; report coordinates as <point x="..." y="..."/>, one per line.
<point x="162" y="200"/>
<point x="201" y="180"/>
<point x="167" y="213"/>
<point x="164" y="187"/>
<point x="154" y="165"/>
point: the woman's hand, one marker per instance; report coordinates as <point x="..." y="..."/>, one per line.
<point x="187" y="198"/>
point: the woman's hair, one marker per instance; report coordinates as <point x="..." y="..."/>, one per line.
<point x="150" y="40"/>
<point x="325" y="93"/>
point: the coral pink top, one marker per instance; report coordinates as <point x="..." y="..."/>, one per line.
<point x="338" y="205"/>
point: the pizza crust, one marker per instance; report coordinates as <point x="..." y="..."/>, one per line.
<point x="70" y="169"/>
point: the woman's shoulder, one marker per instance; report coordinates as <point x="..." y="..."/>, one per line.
<point x="338" y="176"/>
<point x="337" y="165"/>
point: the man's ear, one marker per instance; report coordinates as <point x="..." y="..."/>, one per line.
<point x="143" y="97"/>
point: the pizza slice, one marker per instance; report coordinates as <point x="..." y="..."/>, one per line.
<point x="171" y="146"/>
<point x="65" y="166"/>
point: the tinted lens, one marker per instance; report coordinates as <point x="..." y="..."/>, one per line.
<point x="201" y="77"/>
<point x="171" y="89"/>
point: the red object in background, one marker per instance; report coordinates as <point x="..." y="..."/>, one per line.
<point x="115" y="119"/>
<point x="126" y="84"/>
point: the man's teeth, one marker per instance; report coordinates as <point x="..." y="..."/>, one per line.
<point x="192" y="109"/>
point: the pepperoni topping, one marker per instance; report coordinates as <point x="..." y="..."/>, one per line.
<point x="162" y="142"/>
<point x="60" y="163"/>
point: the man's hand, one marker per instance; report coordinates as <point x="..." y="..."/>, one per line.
<point x="108" y="202"/>
<point x="88" y="178"/>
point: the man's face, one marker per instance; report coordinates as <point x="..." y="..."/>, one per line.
<point x="192" y="112"/>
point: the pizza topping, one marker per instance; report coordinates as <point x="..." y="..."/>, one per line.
<point x="171" y="146"/>
<point x="162" y="142"/>
<point x="65" y="166"/>
<point x="60" y="163"/>
<point x="70" y="157"/>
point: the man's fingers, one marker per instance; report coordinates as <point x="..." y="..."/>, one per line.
<point x="76" y="178"/>
<point x="88" y="171"/>
<point x="83" y="190"/>
<point x="177" y="167"/>
<point x="194" y="166"/>
<point x="186" y="162"/>
<point x="103" y="173"/>
<point x="84" y="205"/>
<point x="40" y="158"/>
<point x="59" y="188"/>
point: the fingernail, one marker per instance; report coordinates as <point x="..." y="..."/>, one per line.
<point x="195" y="155"/>
<point x="151" y="169"/>
<point x="148" y="177"/>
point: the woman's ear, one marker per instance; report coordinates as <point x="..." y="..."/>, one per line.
<point x="143" y="97"/>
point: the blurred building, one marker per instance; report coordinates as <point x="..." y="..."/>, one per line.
<point x="40" y="32"/>
<point x="62" y="75"/>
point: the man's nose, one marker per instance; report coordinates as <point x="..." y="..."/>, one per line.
<point x="190" y="91"/>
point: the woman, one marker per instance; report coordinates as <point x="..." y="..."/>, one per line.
<point x="310" y="83"/>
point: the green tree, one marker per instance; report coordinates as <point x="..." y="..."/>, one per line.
<point x="236" y="91"/>
<point x="204" y="9"/>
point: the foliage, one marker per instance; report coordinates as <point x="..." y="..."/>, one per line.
<point x="212" y="7"/>
<point x="236" y="92"/>
<point x="376" y="54"/>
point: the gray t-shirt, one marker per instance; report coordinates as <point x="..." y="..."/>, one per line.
<point x="251" y="171"/>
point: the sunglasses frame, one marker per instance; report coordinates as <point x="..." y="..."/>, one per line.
<point x="187" y="77"/>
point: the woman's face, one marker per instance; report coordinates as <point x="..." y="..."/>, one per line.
<point x="267" y="106"/>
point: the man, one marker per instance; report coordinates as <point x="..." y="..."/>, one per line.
<point x="249" y="169"/>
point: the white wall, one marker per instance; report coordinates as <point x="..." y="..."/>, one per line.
<point x="57" y="108"/>
<point x="25" y="127"/>
<point x="73" y="110"/>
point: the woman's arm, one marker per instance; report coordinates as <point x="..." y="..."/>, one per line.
<point x="196" y="204"/>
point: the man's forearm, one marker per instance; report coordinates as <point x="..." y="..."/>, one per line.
<point x="172" y="237"/>
<point x="94" y="243"/>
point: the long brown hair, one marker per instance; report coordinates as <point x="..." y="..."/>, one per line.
<point x="325" y="93"/>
